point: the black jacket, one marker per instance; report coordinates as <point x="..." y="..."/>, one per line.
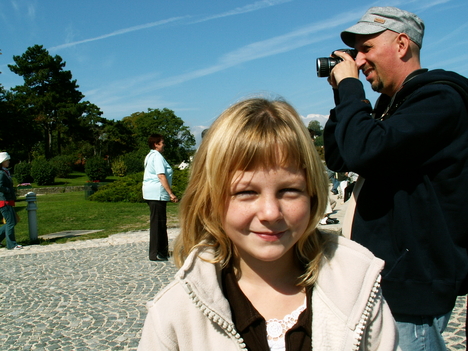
<point x="7" y="192"/>
<point x="412" y="209"/>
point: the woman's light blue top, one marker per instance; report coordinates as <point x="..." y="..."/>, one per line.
<point x="152" y="188"/>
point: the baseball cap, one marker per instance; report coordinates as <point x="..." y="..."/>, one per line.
<point x="379" y="19"/>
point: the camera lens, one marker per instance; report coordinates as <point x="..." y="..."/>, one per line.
<point x="325" y="65"/>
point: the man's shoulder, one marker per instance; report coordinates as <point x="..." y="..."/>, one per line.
<point x="436" y="80"/>
<point x="441" y="76"/>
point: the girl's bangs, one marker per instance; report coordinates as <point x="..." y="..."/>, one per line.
<point x="267" y="150"/>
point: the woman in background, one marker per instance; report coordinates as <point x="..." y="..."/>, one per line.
<point x="157" y="181"/>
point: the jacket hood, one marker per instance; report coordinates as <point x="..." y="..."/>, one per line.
<point x="435" y="76"/>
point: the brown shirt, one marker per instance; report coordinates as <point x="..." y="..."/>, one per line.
<point x="252" y="326"/>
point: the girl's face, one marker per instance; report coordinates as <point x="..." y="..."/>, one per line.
<point x="267" y="213"/>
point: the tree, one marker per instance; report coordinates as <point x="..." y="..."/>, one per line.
<point x="316" y="130"/>
<point x="315" y="127"/>
<point x="18" y="133"/>
<point x="177" y="137"/>
<point x="48" y="94"/>
<point x="117" y="138"/>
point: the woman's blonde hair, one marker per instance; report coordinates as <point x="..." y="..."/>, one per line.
<point x="252" y="133"/>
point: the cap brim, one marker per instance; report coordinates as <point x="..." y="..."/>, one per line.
<point x="362" y="28"/>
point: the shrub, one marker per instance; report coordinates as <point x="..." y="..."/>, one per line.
<point x="97" y="169"/>
<point x="42" y="171"/>
<point x="179" y="181"/>
<point x="22" y="172"/>
<point x="63" y="165"/>
<point x="119" y="169"/>
<point x="135" y="161"/>
<point x="127" y="189"/>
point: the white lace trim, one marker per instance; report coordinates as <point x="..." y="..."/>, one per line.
<point x="277" y="328"/>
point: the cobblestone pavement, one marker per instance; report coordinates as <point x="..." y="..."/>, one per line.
<point x="86" y="295"/>
<point x="91" y="295"/>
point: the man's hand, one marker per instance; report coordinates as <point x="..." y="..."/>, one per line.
<point x="345" y="69"/>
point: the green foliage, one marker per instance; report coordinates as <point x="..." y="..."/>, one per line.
<point x="315" y="127"/>
<point x="42" y="171"/>
<point x="22" y="172"/>
<point x="63" y="165"/>
<point x="127" y="189"/>
<point x="48" y="107"/>
<point x="97" y="169"/>
<point x="117" y="139"/>
<point x="177" y="137"/>
<point x="18" y="134"/>
<point x="134" y="161"/>
<point x="47" y="116"/>
<point x="179" y="181"/>
<point x="119" y="169"/>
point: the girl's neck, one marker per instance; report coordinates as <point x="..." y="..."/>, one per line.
<point x="271" y="287"/>
<point x="281" y="275"/>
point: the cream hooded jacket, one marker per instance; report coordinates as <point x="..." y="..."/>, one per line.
<point x="348" y="310"/>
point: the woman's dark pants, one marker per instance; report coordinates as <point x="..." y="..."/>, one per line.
<point x="158" y="243"/>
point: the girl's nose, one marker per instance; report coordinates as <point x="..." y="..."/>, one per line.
<point x="269" y="209"/>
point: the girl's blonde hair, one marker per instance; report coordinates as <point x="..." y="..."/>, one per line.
<point x="252" y="133"/>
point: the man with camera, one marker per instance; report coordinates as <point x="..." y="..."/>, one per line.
<point x="411" y="152"/>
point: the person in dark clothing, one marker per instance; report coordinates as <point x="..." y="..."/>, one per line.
<point x="7" y="202"/>
<point x="415" y="142"/>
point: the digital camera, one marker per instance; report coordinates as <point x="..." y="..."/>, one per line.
<point x="326" y="64"/>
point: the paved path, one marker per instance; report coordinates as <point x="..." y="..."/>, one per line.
<point x="91" y="295"/>
<point x="85" y="295"/>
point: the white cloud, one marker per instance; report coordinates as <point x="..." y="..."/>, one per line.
<point x="118" y="32"/>
<point x="244" y="9"/>
<point x="273" y="46"/>
<point x="248" y="8"/>
<point x="322" y="119"/>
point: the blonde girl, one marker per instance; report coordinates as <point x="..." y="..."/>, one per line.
<point x="255" y="273"/>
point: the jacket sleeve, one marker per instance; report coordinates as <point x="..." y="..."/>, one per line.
<point x="333" y="157"/>
<point x="424" y="123"/>
<point x="381" y="332"/>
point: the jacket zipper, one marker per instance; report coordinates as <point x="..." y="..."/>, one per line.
<point x="229" y="328"/>
<point x="374" y="296"/>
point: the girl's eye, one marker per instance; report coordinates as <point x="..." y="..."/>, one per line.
<point x="245" y="193"/>
<point x="291" y="190"/>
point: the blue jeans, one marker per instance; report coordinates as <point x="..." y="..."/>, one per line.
<point x="8" y="229"/>
<point x="422" y="333"/>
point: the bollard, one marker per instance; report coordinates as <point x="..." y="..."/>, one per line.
<point x="32" y="216"/>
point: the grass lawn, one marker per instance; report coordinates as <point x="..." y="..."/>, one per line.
<point x="70" y="211"/>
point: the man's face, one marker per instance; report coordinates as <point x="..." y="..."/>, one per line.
<point x="376" y="58"/>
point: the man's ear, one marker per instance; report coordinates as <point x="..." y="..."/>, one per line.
<point x="404" y="43"/>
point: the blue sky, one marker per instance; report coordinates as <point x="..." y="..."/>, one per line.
<point x="198" y="57"/>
